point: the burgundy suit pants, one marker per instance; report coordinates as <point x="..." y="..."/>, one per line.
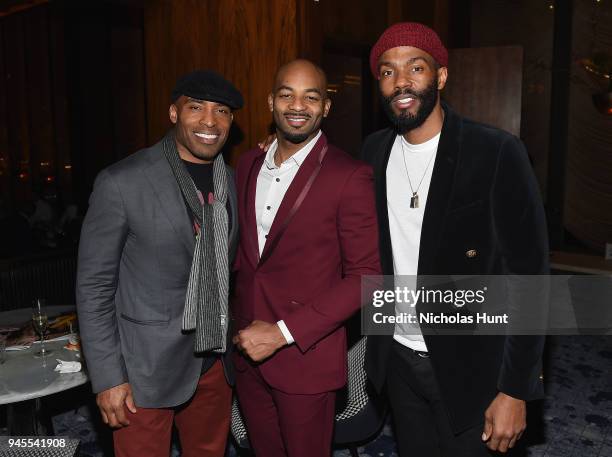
<point x="281" y="424"/>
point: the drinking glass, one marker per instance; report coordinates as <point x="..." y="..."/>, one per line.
<point x="40" y="322"/>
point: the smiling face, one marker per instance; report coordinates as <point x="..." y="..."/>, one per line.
<point x="201" y="129"/>
<point x="409" y="82"/>
<point x="299" y="101"/>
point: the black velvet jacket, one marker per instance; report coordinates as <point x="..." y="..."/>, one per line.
<point x="484" y="197"/>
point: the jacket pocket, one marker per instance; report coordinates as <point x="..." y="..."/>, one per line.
<point x="144" y="322"/>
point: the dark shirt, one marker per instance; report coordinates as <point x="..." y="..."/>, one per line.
<point x="202" y="175"/>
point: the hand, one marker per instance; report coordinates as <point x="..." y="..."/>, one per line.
<point x="112" y="403"/>
<point x="265" y="144"/>
<point x="505" y="422"/>
<point x="260" y="340"/>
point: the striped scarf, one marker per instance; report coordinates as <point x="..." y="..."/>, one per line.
<point x="207" y="290"/>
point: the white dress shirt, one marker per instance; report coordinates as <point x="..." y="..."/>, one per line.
<point x="405" y="223"/>
<point x="272" y="184"/>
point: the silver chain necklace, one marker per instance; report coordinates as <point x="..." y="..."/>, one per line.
<point x="414" y="200"/>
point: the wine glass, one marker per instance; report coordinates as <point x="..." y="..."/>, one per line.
<point x="40" y="322"/>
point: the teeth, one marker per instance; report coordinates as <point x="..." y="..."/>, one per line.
<point x="297" y="119"/>
<point x="206" y="136"/>
<point x="405" y="100"/>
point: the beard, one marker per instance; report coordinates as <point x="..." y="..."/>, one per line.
<point x="292" y="137"/>
<point x="295" y="138"/>
<point x="405" y="121"/>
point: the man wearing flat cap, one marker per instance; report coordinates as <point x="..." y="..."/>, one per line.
<point x="454" y="197"/>
<point x="153" y="275"/>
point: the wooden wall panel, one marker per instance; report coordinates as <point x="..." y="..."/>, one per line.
<point x="492" y="96"/>
<point x="354" y="22"/>
<point x="127" y="83"/>
<point x="245" y="40"/>
<point x="530" y="25"/>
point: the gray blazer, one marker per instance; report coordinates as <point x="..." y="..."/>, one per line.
<point x="135" y="255"/>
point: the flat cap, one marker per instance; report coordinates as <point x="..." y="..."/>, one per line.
<point x="208" y="85"/>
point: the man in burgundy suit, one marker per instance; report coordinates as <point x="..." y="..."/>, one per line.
<point x="308" y="233"/>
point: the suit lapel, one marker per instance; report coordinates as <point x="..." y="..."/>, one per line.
<point x="380" y="183"/>
<point x="304" y="174"/>
<point x="167" y="191"/>
<point x="249" y="207"/>
<point x="233" y="213"/>
<point x="440" y="191"/>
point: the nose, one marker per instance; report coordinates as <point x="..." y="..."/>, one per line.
<point x="403" y="80"/>
<point x="208" y="117"/>
<point x="297" y="104"/>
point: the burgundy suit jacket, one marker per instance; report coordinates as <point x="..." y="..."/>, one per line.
<point x="322" y="241"/>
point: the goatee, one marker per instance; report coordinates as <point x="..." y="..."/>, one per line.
<point x="295" y="138"/>
<point x="292" y="137"/>
<point x="405" y="121"/>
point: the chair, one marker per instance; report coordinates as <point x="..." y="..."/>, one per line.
<point x="360" y="417"/>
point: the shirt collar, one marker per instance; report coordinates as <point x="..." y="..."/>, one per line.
<point x="297" y="158"/>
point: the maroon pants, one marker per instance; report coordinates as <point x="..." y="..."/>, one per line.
<point x="285" y="425"/>
<point x="202" y="423"/>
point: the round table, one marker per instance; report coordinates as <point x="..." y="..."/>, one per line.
<point x="24" y="377"/>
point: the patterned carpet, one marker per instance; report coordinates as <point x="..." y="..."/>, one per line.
<point x="575" y="419"/>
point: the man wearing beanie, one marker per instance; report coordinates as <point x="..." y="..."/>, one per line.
<point x="454" y="197"/>
<point x="152" y="283"/>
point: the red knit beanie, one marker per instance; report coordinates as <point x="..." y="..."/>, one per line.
<point x="409" y="34"/>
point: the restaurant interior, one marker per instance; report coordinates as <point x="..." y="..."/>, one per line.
<point x="84" y="84"/>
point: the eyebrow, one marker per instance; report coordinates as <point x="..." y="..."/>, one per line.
<point x="411" y="60"/>
<point x="201" y="102"/>
<point x="314" y="89"/>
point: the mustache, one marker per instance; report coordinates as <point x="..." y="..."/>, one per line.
<point x="294" y="114"/>
<point x="402" y="92"/>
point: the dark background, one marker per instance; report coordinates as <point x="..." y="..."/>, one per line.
<point x="83" y="84"/>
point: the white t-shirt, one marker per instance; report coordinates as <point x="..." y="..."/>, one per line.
<point x="405" y="223"/>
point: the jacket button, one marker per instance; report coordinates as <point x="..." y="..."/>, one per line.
<point x="471" y="253"/>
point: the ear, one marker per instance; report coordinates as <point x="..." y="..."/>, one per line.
<point x="271" y="101"/>
<point x="442" y="76"/>
<point x="173" y="113"/>
<point x="327" y="106"/>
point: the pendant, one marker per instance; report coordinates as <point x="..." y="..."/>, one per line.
<point x="414" y="200"/>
